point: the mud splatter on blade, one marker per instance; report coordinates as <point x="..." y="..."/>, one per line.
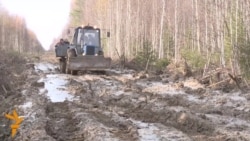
<point x="89" y="63"/>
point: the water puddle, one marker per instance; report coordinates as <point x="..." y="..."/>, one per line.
<point x="193" y="98"/>
<point x="26" y="105"/>
<point x="56" y="90"/>
<point x="146" y="131"/>
<point x="238" y="98"/>
<point x="118" y="93"/>
<point x="231" y="125"/>
<point x="44" y="67"/>
<point x="158" y="132"/>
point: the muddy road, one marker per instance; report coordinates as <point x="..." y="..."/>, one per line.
<point x="124" y="106"/>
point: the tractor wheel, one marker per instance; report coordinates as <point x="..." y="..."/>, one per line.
<point x="71" y="53"/>
<point x="74" y="72"/>
<point x="62" y="65"/>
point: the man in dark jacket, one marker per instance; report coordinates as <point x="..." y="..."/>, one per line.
<point x="60" y="43"/>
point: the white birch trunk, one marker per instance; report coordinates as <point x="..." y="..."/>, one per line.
<point x="161" y="50"/>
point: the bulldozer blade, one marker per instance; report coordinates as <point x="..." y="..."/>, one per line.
<point x="89" y="63"/>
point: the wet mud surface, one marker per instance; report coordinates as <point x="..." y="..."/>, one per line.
<point x="120" y="106"/>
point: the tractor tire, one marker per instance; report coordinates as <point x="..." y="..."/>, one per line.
<point x="71" y="53"/>
<point x="73" y="72"/>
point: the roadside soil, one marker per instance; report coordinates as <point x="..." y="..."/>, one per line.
<point x="123" y="105"/>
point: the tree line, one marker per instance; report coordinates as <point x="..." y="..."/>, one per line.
<point x="15" y="36"/>
<point x="205" y="33"/>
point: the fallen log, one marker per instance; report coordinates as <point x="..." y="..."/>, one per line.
<point x="4" y="89"/>
<point x="235" y="79"/>
<point x="225" y="80"/>
<point x="211" y="73"/>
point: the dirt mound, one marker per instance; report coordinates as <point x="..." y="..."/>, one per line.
<point x="178" y="71"/>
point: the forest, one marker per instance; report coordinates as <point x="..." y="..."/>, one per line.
<point x="15" y="36"/>
<point x="206" y="34"/>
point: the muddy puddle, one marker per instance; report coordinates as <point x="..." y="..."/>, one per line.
<point x="158" y="132"/>
<point x="45" y="67"/>
<point x="55" y="87"/>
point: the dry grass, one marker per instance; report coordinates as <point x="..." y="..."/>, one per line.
<point x="12" y="65"/>
<point x="12" y="68"/>
<point x="50" y="57"/>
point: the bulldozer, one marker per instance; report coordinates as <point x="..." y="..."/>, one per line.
<point x="83" y="53"/>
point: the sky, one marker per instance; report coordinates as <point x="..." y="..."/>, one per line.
<point x="46" y="18"/>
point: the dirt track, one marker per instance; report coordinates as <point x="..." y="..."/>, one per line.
<point x="123" y="106"/>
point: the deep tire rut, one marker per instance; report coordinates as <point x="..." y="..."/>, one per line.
<point x="61" y="125"/>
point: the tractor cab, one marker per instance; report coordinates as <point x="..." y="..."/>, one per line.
<point x="86" y="40"/>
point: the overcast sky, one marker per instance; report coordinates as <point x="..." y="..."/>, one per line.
<point x="44" y="17"/>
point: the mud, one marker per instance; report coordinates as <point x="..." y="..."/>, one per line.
<point x="123" y="105"/>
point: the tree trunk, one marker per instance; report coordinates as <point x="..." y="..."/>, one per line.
<point x="197" y="26"/>
<point x="176" y="48"/>
<point x="161" y="50"/>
